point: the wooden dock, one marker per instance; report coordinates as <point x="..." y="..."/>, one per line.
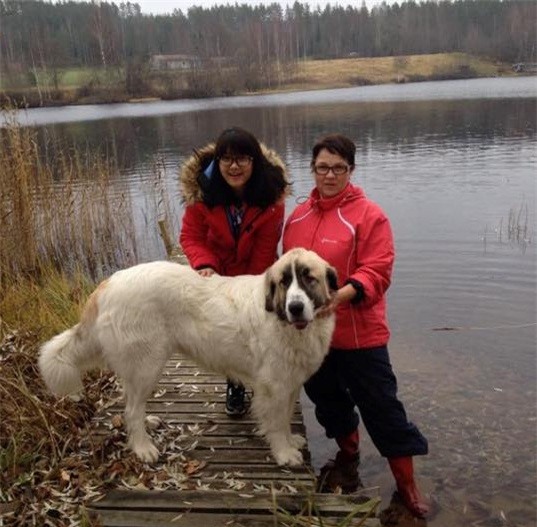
<point x="223" y="473"/>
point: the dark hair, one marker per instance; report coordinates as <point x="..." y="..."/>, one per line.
<point x="335" y="144"/>
<point x="265" y="186"/>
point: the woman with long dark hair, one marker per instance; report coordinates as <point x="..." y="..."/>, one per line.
<point x="234" y="191"/>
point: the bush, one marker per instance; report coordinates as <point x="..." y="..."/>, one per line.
<point x="359" y="81"/>
<point x="460" y="71"/>
<point x="136" y="78"/>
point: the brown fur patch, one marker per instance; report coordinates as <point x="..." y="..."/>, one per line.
<point x="91" y="309"/>
<point x="313" y="282"/>
<point x="283" y="281"/>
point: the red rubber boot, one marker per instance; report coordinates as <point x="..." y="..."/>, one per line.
<point x="403" y="472"/>
<point x="341" y="474"/>
<point x="349" y="445"/>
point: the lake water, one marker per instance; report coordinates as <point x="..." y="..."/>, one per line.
<point x="450" y="163"/>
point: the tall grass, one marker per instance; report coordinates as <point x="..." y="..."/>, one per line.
<point x="516" y="231"/>
<point x="63" y="224"/>
<point x="61" y="228"/>
<point x="517" y="225"/>
<point x="56" y="208"/>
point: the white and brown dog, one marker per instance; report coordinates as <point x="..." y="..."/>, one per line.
<point x="259" y="330"/>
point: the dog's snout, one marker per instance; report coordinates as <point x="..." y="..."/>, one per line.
<point x="296" y="308"/>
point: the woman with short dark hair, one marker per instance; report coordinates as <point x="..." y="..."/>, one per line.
<point x="354" y="235"/>
<point x="234" y="191"/>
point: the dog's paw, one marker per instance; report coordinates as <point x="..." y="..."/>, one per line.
<point x="288" y="456"/>
<point x="146" y="451"/>
<point x="153" y="421"/>
<point x="297" y="441"/>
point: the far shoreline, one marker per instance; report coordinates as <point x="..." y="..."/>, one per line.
<point x="311" y="75"/>
<point x="481" y="88"/>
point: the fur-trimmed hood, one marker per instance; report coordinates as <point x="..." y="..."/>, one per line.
<point x="191" y="191"/>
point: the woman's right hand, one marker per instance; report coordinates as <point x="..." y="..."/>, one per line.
<point x="329" y="308"/>
<point x="344" y="294"/>
<point x="206" y="272"/>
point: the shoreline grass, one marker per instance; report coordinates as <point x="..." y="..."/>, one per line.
<point x="62" y="229"/>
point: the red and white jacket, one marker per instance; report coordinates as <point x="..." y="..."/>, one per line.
<point x="354" y="235"/>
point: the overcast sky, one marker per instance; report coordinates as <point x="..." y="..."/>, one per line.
<point x="167" y="6"/>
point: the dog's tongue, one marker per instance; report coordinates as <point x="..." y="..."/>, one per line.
<point x="300" y="325"/>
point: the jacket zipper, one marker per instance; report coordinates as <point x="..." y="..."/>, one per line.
<point x="242" y="230"/>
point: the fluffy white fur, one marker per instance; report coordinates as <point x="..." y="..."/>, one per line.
<point x="135" y="320"/>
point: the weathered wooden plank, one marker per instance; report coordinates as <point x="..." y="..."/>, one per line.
<point x="192" y="379"/>
<point x="235" y="428"/>
<point x="177" y="363"/>
<point x="201" y="397"/>
<point x="254" y="472"/>
<point x="179" y="403"/>
<point x="222" y="450"/>
<point x="227" y="442"/>
<point x="210" y="400"/>
<point x="115" y="518"/>
<point x="231" y="501"/>
<point x="223" y="442"/>
<point x="247" y="486"/>
<point x="208" y="508"/>
<point x="230" y="456"/>
<point x="194" y="387"/>
<point x="180" y="416"/>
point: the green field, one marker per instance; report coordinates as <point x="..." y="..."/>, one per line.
<point x="67" y="78"/>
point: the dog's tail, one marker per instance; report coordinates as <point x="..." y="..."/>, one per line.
<point x="64" y="358"/>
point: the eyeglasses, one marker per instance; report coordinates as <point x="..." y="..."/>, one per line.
<point x="337" y="170"/>
<point x="241" y="161"/>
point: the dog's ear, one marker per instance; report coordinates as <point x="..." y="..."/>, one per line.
<point x="270" y="290"/>
<point x="331" y="278"/>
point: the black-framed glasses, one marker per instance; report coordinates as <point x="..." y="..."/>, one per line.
<point x="337" y="170"/>
<point x="241" y="161"/>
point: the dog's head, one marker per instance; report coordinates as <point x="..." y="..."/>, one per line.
<point x="297" y="285"/>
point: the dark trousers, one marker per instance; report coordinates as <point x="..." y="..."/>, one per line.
<point x="364" y="378"/>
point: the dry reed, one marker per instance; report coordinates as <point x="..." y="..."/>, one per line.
<point x="63" y="225"/>
<point x="57" y="208"/>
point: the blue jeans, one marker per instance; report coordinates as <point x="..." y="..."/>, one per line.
<point x="364" y="378"/>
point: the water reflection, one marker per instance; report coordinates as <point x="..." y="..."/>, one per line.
<point x="448" y="173"/>
<point x="453" y="126"/>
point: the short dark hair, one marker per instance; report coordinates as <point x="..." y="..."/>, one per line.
<point x="267" y="183"/>
<point x="336" y="144"/>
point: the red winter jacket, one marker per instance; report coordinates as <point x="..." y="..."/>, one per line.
<point x="354" y="235"/>
<point x="206" y="237"/>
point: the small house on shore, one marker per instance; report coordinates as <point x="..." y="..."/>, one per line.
<point x="174" y="62"/>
